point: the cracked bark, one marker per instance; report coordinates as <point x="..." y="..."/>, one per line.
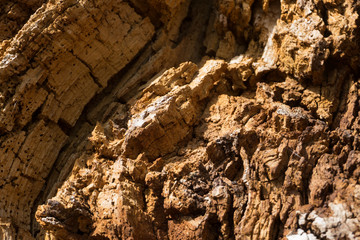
<point x="259" y="139"/>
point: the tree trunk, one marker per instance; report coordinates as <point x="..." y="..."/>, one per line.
<point x="182" y="119"/>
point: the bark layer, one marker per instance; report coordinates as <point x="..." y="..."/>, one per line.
<point x="221" y="119"/>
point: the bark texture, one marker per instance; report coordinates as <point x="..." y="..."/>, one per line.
<point x="179" y="119"/>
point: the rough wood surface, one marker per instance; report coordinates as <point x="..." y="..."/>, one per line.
<point x="183" y="119"/>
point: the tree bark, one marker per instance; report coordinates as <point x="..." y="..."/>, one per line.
<point x="184" y="119"/>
